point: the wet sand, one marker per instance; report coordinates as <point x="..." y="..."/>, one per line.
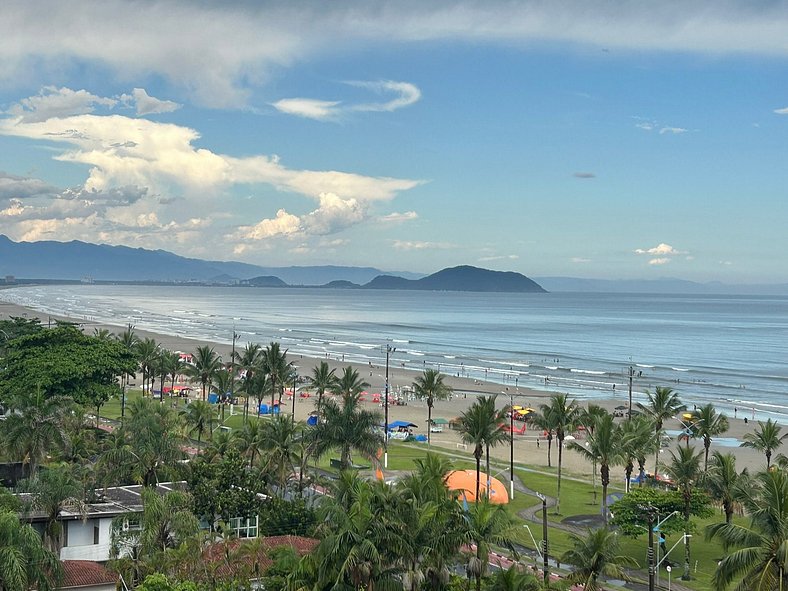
<point x="527" y="448"/>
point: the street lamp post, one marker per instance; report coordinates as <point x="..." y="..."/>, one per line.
<point x="545" y="565"/>
<point x="631" y="375"/>
<point x="232" y="371"/>
<point x="668" y="568"/>
<point x="295" y="381"/>
<point x="389" y="351"/>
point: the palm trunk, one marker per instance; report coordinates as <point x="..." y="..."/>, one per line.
<point x="686" y="576"/>
<point x="487" y="482"/>
<point x="560" y="460"/>
<point x="478" y="455"/>
<point x="549" y="449"/>
<point x="429" y="423"/>
<point x="656" y="453"/>
<point x="605" y="474"/>
<point x="628" y="471"/>
<point x="706" y="445"/>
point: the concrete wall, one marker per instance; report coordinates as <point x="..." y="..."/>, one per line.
<point x="80" y="540"/>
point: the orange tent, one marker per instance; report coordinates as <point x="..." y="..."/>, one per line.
<point x="464" y="482"/>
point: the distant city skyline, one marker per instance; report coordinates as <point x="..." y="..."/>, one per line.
<point x="610" y="140"/>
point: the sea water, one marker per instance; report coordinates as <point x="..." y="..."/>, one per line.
<point x="730" y="350"/>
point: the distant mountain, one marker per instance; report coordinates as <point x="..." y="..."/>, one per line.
<point x="101" y="262"/>
<point x="264" y="281"/>
<point x="341" y="284"/>
<point x="463" y="278"/>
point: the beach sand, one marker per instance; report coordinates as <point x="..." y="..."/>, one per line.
<point x="527" y="450"/>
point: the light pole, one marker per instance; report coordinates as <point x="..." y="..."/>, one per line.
<point x="295" y="380"/>
<point x="668" y="568"/>
<point x="545" y="565"/>
<point x="511" y="439"/>
<point x="232" y="366"/>
<point x="650" y="552"/>
<point x="389" y="351"/>
<point x="631" y="375"/>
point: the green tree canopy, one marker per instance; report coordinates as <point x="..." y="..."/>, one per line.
<point x="630" y="517"/>
<point x="64" y="362"/>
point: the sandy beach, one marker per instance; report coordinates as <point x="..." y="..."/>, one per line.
<point x="527" y="448"/>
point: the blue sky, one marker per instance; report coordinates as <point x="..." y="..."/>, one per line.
<point x="588" y="139"/>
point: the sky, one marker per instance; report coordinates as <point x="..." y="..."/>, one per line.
<point x="589" y="138"/>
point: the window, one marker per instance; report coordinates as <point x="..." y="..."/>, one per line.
<point x="244" y="528"/>
<point x="96" y="534"/>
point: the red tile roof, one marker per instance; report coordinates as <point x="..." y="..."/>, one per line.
<point x="82" y="573"/>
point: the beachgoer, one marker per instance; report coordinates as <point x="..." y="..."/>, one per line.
<point x="745" y="420"/>
<point x="735" y="412"/>
<point x="663" y="544"/>
<point x="538" y="440"/>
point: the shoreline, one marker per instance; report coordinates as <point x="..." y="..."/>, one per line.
<point x="528" y="448"/>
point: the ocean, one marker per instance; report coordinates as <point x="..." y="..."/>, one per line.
<point x="729" y="350"/>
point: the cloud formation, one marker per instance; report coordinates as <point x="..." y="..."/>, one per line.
<point x="321" y="110"/>
<point x="251" y="40"/>
<point x="783" y="111"/>
<point x="149" y="105"/>
<point x="138" y="169"/>
<point x="421" y="245"/>
<point x="396" y="217"/>
<point x="662" y="253"/>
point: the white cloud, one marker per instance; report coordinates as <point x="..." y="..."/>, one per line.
<point x="148" y="105"/>
<point x="783" y="111"/>
<point x="659" y="128"/>
<point x="580" y="260"/>
<point x="250" y="40"/>
<point x="284" y="224"/>
<point x="308" y="108"/>
<point x="17" y="187"/>
<point x="659" y="261"/>
<point x="661" y="249"/>
<point x="646" y="126"/>
<point x="397" y="217"/>
<point x="322" y="110"/>
<point x="672" y="130"/>
<point x="503" y="257"/>
<point x="57" y="102"/>
<point x="421" y="245"/>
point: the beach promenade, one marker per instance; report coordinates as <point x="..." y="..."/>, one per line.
<point x="527" y="447"/>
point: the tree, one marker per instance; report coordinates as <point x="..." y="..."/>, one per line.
<point x="198" y="417"/>
<point x="280" y="444"/>
<point x="663" y="403"/>
<point x="128" y="341"/>
<point x="474" y="424"/>
<point x="756" y="553"/>
<point x="637" y="440"/>
<point x="205" y="364"/>
<point x="766" y="439"/>
<point x="259" y="386"/>
<point x="51" y="492"/>
<point x="685" y="472"/>
<point x="249" y="440"/>
<point x="544" y="422"/>
<point x="708" y="423"/>
<point x="249" y="361"/>
<point x="488" y="525"/>
<point x="430" y="387"/>
<point x="166" y="522"/>
<point x="588" y="418"/>
<point x="604" y="447"/>
<point x="323" y="379"/>
<point x="595" y="555"/>
<point x="145" y="447"/>
<point x="564" y="416"/>
<point x="147" y="355"/>
<point x="723" y="483"/>
<point x="631" y="519"/>
<point x="514" y="578"/>
<point x="346" y="425"/>
<point x="24" y="561"/>
<point x="172" y="365"/>
<point x="63" y="362"/>
<point x="36" y="428"/>
<point x="276" y="366"/>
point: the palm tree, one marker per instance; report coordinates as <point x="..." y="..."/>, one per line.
<point x="36" y="428"/>
<point x="323" y="378"/>
<point x="708" y="423"/>
<point x="173" y="365"/>
<point x="147" y="353"/>
<point x="24" y="561"/>
<point x="221" y="442"/>
<point x="52" y="492"/>
<point x="248" y="361"/>
<point x="514" y="578"/>
<point x="346" y="425"/>
<point x="257" y="385"/>
<point x="766" y="439"/>
<point x="663" y="403"/>
<point x="588" y="418"/>
<point x="685" y="472"/>
<point x="280" y="444"/>
<point x="755" y="554"/>
<point x="128" y="341"/>
<point x="637" y="440"/>
<point x="488" y="525"/>
<point x="205" y="365"/>
<point x="249" y="440"/>
<point x="545" y="423"/>
<point x="145" y="447"/>
<point x="723" y="483"/>
<point x="604" y="447"/>
<point x="276" y="366"/>
<point x="564" y="415"/>
<point x="595" y="555"/>
<point x="474" y="430"/>
<point x="198" y="417"/>
<point x="430" y="386"/>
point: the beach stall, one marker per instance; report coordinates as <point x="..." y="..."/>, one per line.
<point x="464" y="482"/>
<point x="438" y="424"/>
<point x="400" y="429"/>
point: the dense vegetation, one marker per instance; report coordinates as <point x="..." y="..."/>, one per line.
<point x="411" y="534"/>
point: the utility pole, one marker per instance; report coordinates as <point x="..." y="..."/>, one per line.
<point x="545" y="566"/>
<point x="295" y="381"/>
<point x="631" y="375"/>
<point x="650" y="552"/>
<point x="389" y="351"/>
